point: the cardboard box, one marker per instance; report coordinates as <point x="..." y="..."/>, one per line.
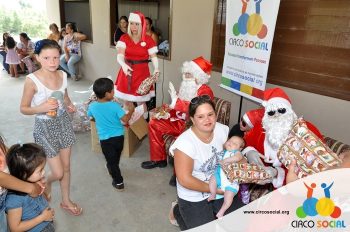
<point x="132" y="137"/>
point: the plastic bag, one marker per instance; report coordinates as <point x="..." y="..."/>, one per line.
<point x="80" y="120"/>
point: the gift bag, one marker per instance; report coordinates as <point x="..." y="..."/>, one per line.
<point x="146" y="84"/>
<point x="79" y="118"/>
<point x="31" y="66"/>
<point x="310" y="153"/>
<point x="244" y="172"/>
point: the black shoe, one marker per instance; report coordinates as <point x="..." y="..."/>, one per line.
<point x="172" y="181"/>
<point x="118" y="187"/>
<point x="153" y="164"/>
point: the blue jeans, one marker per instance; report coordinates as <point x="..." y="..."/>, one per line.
<point x="69" y="66"/>
<point x="6" y="66"/>
<point x="3" y="221"/>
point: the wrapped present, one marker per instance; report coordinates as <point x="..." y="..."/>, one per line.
<point x="146" y="84"/>
<point x="311" y="154"/>
<point x="161" y="112"/>
<point x="244" y="172"/>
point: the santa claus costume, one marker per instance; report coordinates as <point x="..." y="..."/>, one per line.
<point x="196" y="74"/>
<point x="268" y="136"/>
<point x="134" y="50"/>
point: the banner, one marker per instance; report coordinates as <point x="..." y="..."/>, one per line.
<point x="250" y="27"/>
<point x="319" y="202"/>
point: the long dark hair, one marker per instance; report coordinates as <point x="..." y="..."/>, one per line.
<point x="24" y="36"/>
<point x="10" y="42"/>
<point x="22" y="160"/>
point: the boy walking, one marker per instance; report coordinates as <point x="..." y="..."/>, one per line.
<point x="109" y="116"/>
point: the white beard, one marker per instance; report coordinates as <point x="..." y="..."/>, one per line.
<point x="188" y="90"/>
<point x="277" y="128"/>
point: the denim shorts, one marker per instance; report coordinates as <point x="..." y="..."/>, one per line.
<point x="3" y="222"/>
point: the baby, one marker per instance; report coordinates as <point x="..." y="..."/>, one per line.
<point x="230" y="154"/>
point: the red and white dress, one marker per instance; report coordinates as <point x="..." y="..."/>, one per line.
<point x="138" y="54"/>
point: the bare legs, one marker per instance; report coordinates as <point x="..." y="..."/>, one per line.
<point x="228" y="198"/>
<point x="60" y="170"/>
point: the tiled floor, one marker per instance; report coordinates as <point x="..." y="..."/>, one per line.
<point x="143" y="206"/>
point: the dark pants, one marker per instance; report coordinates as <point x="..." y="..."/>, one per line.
<point x="6" y="66"/>
<point x="192" y="214"/>
<point x="112" y="149"/>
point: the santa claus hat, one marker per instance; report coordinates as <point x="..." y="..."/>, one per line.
<point x="199" y="67"/>
<point x="253" y="117"/>
<point x="138" y="17"/>
<point x="277" y="97"/>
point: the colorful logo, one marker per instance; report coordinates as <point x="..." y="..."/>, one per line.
<point x="253" y="24"/>
<point x="323" y="206"/>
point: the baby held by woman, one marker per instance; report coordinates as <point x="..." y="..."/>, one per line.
<point x="230" y="154"/>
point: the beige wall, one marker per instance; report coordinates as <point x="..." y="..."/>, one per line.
<point x="191" y="37"/>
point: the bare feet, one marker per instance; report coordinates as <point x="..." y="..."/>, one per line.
<point x="212" y="197"/>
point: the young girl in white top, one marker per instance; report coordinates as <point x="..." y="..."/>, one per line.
<point x="45" y="95"/>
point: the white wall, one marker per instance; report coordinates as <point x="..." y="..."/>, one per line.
<point x="191" y="37"/>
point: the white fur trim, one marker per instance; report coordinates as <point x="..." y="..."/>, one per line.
<point x="278" y="100"/>
<point x="198" y="69"/>
<point x="120" y="44"/>
<point x="153" y="50"/>
<point x="278" y="181"/>
<point x="173" y="103"/>
<point x="134" y="18"/>
<point x="247" y="120"/>
<point x="132" y="98"/>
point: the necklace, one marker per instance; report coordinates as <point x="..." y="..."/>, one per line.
<point x="202" y="138"/>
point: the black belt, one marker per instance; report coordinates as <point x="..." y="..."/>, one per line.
<point x="137" y="61"/>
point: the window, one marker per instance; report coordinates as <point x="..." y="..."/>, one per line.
<point x="158" y="10"/>
<point x="78" y="12"/>
<point x="311" y="49"/>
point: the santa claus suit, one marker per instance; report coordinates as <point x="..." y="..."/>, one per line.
<point x="136" y="57"/>
<point x="174" y="126"/>
<point x="255" y="138"/>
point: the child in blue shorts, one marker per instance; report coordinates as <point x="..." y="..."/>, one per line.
<point x="230" y="154"/>
<point x="109" y="116"/>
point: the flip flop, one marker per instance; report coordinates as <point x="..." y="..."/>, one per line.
<point x="171" y="218"/>
<point x="75" y="211"/>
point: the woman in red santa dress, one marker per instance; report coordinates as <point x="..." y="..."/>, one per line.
<point x="264" y="139"/>
<point x="134" y="50"/>
<point x="195" y="75"/>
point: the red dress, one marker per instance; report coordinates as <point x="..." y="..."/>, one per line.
<point x="173" y="126"/>
<point x="135" y="52"/>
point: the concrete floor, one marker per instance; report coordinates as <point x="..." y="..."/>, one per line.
<point x="143" y="206"/>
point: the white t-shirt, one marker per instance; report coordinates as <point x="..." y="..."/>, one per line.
<point x="203" y="158"/>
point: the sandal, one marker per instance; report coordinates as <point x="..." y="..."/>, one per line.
<point x="171" y="217"/>
<point x="75" y="211"/>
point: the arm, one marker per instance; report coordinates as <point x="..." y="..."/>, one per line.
<point x="68" y="103"/>
<point x="125" y="119"/>
<point x="155" y="63"/>
<point x="15" y="223"/>
<point x="28" y="93"/>
<point x="11" y="182"/>
<point x="233" y="159"/>
<point x="121" y="60"/>
<point x="183" y="168"/>
<point x="79" y="36"/>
